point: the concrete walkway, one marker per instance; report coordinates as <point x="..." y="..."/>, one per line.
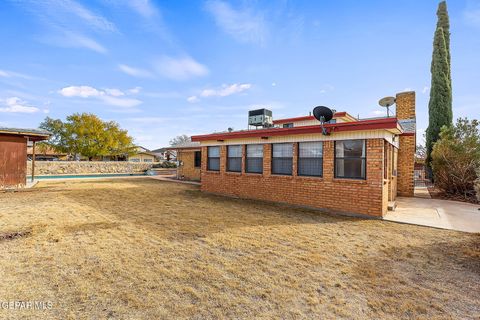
<point x="436" y="213"/>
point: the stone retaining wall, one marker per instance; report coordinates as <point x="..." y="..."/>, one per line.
<point x="86" y="167"/>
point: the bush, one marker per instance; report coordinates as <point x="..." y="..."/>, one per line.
<point x="477" y="185"/>
<point x="456" y="158"/>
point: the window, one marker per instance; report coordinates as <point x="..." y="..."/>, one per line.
<point x="350" y="159"/>
<point x="213" y="158"/>
<point x="147" y="160"/>
<point x="254" y="158"/>
<point x="234" y="158"/>
<point x="288" y="125"/>
<point x="198" y="159"/>
<point x="282" y="156"/>
<point x="134" y="160"/>
<point x="310" y="159"/>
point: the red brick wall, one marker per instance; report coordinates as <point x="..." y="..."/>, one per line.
<point x="333" y="194"/>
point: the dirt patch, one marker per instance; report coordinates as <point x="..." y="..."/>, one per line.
<point x="8" y="236"/>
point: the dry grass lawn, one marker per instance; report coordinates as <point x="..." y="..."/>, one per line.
<point x="145" y="249"/>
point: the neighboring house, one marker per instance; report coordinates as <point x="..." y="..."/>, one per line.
<point x="13" y="154"/>
<point x="46" y="153"/>
<point x="165" y="154"/>
<point x="359" y="167"/>
<point x="142" y="155"/>
<point x="189" y="156"/>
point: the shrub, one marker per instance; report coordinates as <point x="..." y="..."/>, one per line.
<point x="456" y="158"/>
<point x="477" y="185"/>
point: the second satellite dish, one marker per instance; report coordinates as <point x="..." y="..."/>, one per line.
<point x="387" y="102"/>
<point x="323" y="114"/>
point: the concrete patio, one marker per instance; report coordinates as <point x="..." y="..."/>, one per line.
<point x="444" y="214"/>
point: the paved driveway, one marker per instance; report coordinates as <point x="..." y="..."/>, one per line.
<point x="443" y="214"/>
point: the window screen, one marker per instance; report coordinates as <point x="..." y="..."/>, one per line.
<point x="350" y="159"/>
<point x="234" y="158"/>
<point x="310" y="159"/>
<point x="198" y="159"/>
<point x="282" y="156"/>
<point x="254" y="158"/>
<point x="213" y="158"/>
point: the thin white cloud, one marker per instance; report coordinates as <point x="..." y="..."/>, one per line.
<point x="193" y="99"/>
<point x="244" y="25"/>
<point x="226" y="90"/>
<point x="135" y="90"/>
<point x="16" y="105"/>
<point x="113" y="97"/>
<point x="379" y="113"/>
<point x="425" y="89"/>
<point x="134" y="72"/>
<point x="181" y="68"/>
<point x="68" y="14"/>
<point x="11" y="74"/>
<point x="143" y="7"/>
<point x="68" y="39"/>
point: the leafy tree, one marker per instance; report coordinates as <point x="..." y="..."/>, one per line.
<point x="180" y="140"/>
<point x="456" y="158"/>
<point x="89" y="136"/>
<point x="440" y="105"/>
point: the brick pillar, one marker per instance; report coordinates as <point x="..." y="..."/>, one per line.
<point x="294" y="159"/>
<point x="223" y="159"/>
<point x="407" y="145"/>
<point x="328" y="160"/>
<point x="204" y="159"/>
<point x="244" y="157"/>
<point x="267" y="159"/>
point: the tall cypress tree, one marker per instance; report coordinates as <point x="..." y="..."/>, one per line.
<point x="440" y="105"/>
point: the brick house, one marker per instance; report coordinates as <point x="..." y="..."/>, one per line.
<point x="189" y="157"/>
<point x="358" y="168"/>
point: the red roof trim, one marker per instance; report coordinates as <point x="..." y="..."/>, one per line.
<point x="375" y="124"/>
<point x="408" y="134"/>
<point x="305" y="118"/>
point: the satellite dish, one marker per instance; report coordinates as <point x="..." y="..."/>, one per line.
<point x="387" y="102"/>
<point x="323" y="114"/>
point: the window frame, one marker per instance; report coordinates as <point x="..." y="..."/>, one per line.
<point x="209" y="157"/>
<point x="299" y="158"/>
<point x="195" y="159"/>
<point x="364" y="158"/>
<point x="240" y="158"/>
<point x="247" y="157"/>
<point x="272" y="159"/>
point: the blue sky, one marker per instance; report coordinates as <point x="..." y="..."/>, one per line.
<point x="164" y="68"/>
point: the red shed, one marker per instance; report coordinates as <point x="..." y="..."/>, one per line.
<point x="13" y="155"/>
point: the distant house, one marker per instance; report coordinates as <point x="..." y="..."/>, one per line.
<point x="165" y="154"/>
<point x="142" y="155"/>
<point x="46" y="153"/>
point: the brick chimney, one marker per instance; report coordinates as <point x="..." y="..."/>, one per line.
<point x="405" y="103"/>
